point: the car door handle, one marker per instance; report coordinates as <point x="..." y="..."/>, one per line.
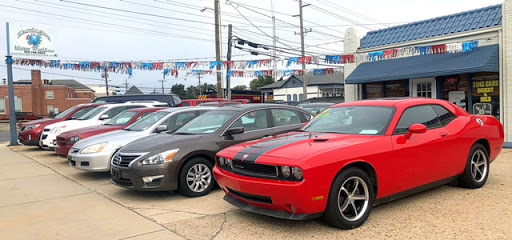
<point x="443" y="134"/>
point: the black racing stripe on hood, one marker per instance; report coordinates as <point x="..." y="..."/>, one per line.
<point x="254" y="152"/>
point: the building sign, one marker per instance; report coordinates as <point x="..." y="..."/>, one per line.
<point x="32" y="41"/>
<point x="486" y="89"/>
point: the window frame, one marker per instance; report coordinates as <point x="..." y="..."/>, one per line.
<point x="440" y="121"/>
<point x="48" y="96"/>
<point x="3" y="110"/>
<point x="415" y="106"/>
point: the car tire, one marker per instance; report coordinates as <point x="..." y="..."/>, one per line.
<point x="476" y="171"/>
<point x="196" y="178"/>
<point x="350" y="200"/>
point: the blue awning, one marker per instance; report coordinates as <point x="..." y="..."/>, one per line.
<point x="482" y="59"/>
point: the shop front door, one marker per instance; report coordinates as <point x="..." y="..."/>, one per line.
<point x="423" y="87"/>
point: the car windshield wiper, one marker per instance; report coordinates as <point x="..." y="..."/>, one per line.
<point x="184" y="133"/>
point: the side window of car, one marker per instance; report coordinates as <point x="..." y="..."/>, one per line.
<point x="420" y="114"/>
<point x="81" y="112"/>
<point x="445" y="116"/>
<point x="143" y="115"/>
<point x="169" y="122"/>
<point x="284" y="117"/>
<point x="181" y="119"/>
<point x="114" y="111"/>
<point x="254" y="120"/>
<point x="306" y="117"/>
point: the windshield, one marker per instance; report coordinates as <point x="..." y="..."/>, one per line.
<point x="207" y="123"/>
<point x="364" y="120"/>
<point x="65" y="113"/>
<point x="315" y="109"/>
<point x="146" y="122"/>
<point x="122" y="119"/>
<point x="92" y="113"/>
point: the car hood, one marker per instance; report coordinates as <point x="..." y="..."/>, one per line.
<point x="115" y="139"/>
<point x="73" y="124"/>
<point x="297" y="146"/>
<point x="44" y="121"/>
<point x="159" y="142"/>
<point x="90" y="131"/>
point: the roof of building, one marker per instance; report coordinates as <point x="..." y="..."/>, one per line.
<point x="133" y="90"/>
<point x="435" y="27"/>
<point x="312" y="80"/>
<point x="483" y="59"/>
<point x="61" y="82"/>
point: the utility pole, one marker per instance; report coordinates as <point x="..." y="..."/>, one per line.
<point x="12" y="107"/>
<point x="304" y="76"/>
<point x="228" y="58"/>
<point x="217" y="47"/>
<point x="199" y="85"/>
<point x="163" y="80"/>
<point x="274" y="42"/>
<point x="126" y="83"/>
<point x="105" y="75"/>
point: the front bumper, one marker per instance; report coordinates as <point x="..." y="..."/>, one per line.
<point x="30" y="138"/>
<point x="48" y="141"/>
<point x="276" y="198"/>
<point x="94" y="162"/>
<point x="133" y="177"/>
<point x="63" y="151"/>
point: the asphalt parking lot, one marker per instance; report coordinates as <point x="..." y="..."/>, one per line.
<point x="33" y="205"/>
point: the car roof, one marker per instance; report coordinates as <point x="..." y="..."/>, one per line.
<point x="145" y="109"/>
<point x="392" y="102"/>
<point x="249" y="106"/>
<point x="198" y="108"/>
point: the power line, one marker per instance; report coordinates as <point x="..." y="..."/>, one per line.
<point x="331" y="4"/>
<point x="57" y="74"/>
<point x="106" y="23"/>
<point x="321" y="10"/>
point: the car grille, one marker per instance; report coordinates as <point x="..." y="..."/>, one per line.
<point x="124" y="159"/>
<point x="254" y="169"/>
<point x="46" y="130"/>
<point x="61" y="141"/>
<point x="43" y="137"/>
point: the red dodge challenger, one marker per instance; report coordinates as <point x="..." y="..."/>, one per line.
<point x="358" y="154"/>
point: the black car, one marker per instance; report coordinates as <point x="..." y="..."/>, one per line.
<point x="183" y="160"/>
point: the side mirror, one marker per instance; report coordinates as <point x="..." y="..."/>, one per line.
<point x="235" y="130"/>
<point x="103" y="117"/>
<point x="415" y="128"/>
<point x="161" y="128"/>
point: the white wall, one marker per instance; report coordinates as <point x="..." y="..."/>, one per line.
<point x="351" y="44"/>
<point x="280" y="94"/>
<point x="506" y="71"/>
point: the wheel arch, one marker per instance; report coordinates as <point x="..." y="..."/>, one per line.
<point x="366" y="167"/>
<point x="190" y="156"/>
<point x="485" y="143"/>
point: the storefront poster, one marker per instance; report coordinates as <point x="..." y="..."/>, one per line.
<point x="458" y="98"/>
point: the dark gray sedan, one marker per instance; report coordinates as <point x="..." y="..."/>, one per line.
<point x="183" y="160"/>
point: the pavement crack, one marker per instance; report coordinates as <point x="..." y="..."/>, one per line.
<point x="221" y="226"/>
<point x="166" y="211"/>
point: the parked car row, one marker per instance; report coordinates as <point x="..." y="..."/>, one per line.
<point x="280" y="160"/>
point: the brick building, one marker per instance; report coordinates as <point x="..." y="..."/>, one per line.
<point x="479" y="80"/>
<point x="41" y="97"/>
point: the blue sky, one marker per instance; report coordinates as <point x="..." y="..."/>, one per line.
<point x="126" y="30"/>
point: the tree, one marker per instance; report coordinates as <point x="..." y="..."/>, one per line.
<point x="179" y="89"/>
<point x="240" y="87"/>
<point x="259" y="82"/>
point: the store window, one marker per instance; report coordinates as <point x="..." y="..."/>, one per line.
<point x="455" y="90"/>
<point x="50" y="94"/>
<point x="18" y="104"/>
<point x="2" y="105"/>
<point x="50" y="108"/>
<point x="374" y="90"/>
<point x="485" y="95"/>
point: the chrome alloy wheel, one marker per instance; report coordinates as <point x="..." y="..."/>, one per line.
<point x="353" y="198"/>
<point x="479" y="166"/>
<point x="199" y="177"/>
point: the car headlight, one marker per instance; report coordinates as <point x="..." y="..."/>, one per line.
<point x="222" y="161"/>
<point x="161" y="157"/>
<point x="30" y="127"/>
<point x="292" y="173"/>
<point x="96" y="148"/>
<point x="73" y="140"/>
<point x="57" y="130"/>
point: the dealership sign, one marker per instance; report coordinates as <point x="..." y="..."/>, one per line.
<point x="32" y="41"/>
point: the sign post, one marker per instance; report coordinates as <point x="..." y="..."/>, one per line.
<point x="10" y="82"/>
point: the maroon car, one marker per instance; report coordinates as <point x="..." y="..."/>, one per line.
<point x="66" y="140"/>
<point x="31" y="131"/>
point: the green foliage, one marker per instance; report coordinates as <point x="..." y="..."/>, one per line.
<point x="240" y="87"/>
<point x="259" y="82"/>
<point x="179" y="89"/>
